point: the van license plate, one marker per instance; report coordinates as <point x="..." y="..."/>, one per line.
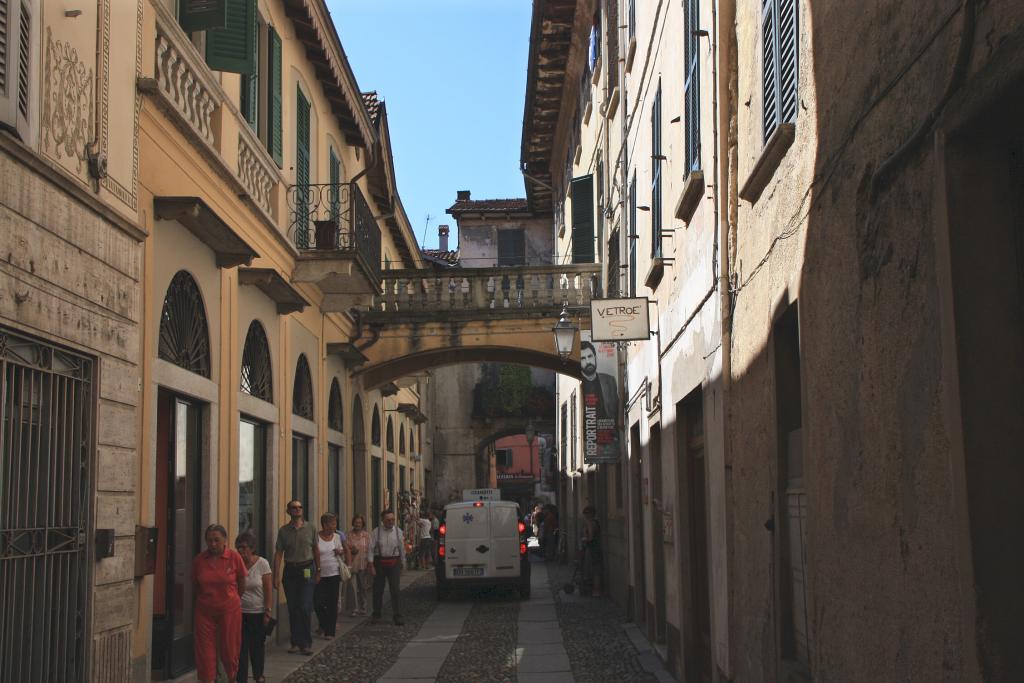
<point x="467" y="571"/>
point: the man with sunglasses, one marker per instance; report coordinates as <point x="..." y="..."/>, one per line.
<point x="297" y="547"/>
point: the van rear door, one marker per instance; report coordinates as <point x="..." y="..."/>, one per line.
<point x="468" y="542"/>
<point x="505" y="535"/>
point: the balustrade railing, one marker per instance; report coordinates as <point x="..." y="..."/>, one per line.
<point x="512" y="288"/>
<point x="334" y="217"/>
<point x="256" y="169"/>
<point x="182" y="77"/>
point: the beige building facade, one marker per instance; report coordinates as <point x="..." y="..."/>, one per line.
<point x="191" y="210"/>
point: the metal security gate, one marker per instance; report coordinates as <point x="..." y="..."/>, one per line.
<point x="46" y="418"/>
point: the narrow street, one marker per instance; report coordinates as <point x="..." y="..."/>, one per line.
<point x="491" y="636"/>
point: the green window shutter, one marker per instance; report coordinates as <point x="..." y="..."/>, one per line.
<point x="301" y="138"/>
<point x="201" y="15"/>
<point x="233" y="48"/>
<point x="582" y="193"/>
<point x="249" y="100"/>
<point x="335" y="191"/>
<point x="274" y="88"/>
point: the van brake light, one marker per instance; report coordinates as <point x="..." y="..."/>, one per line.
<point x="522" y="528"/>
<point x="478" y="504"/>
<point x="522" y="548"/>
<point x="442" y="529"/>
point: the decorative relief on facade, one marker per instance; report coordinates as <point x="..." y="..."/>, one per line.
<point x="67" y="119"/>
<point x="125" y="191"/>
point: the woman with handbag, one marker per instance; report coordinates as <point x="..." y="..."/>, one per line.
<point x="256" y="608"/>
<point x="359" y="550"/>
<point x="333" y="552"/>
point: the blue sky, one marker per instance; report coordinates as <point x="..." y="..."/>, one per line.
<point x="453" y="74"/>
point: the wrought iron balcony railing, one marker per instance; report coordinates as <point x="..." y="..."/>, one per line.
<point x="334" y="217"/>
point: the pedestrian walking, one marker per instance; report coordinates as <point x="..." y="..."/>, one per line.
<point x="386" y="556"/>
<point x="425" y="542"/>
<point x="332" y="550"/>
<point x="218" y="577"/>
<point x="362" y="579"/>
<point x="297" y="548"/>
<point x="257" y="601"/>
<point x="593" y="558"/>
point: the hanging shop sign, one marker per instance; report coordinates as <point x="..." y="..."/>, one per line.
<point x="602" y="414"/>
<point x="620" y="319"/>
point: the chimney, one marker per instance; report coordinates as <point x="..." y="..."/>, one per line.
<point x="442" y="236"/>
<point x="462" y="196"/>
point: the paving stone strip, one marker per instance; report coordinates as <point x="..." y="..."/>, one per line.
<point x="369" y="650"/>
<point x="485" y="648"/>
<point x="540" y="654"/>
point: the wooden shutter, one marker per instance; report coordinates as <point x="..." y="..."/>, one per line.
<point x="656" y="174"/>
<point x="788" y="67"/>
<point x="233" y="48"/>
<point x="581" y="191"/>
<point x="15" y="64"/>
<point x="769" y="69"/>
<point x="301" y="138"/>
<point x="691" y="86"/>
<point x="335" y="189"/>
<point x="274" y="131"/>
<point x="202" y="15"/>
<point x="511" y="247"/>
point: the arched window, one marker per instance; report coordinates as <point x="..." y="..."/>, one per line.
<point x="390" y="436"/>
<point x="401" y="441"/>
<point x="184" y="336"/>
<point x="302" y="394"/>
<point x="375" y="427"/>
<point x="257" y="374"/>
<point x="412" y="442"/>
<point x="335" y="415"/>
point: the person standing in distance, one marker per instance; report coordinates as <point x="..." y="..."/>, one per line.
<point x="386" y="556"/>
<point x="297" y="547"/>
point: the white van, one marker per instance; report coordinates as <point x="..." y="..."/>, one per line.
<point x="482" y="543"/>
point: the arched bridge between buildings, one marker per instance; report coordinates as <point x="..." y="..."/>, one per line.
<point x="427" y="319"/>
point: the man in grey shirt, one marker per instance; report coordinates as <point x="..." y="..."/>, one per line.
<point x="386" y="557"/>
<point x="296" y="545"/>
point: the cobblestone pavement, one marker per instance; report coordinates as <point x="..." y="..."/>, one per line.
<point x="490" y="636"/>
<point x="594" y="636"/>
<point x="369" y="649"/>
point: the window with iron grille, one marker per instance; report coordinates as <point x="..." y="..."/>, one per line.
<point x="47" y="407"/>
<point x="632" y="238"/>
<point x="691" y="86"/>
<point x="257" y="373"/>
<point x="302" y="394"/>
<point x="503" y="457"/>
<point x="780" y="70"/>
<point x="335" y="411"/>
<point x="656" y="159"/>
<point x="184" y="335"/>
<point x="511" y="247"/>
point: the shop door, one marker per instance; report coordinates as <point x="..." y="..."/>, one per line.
<point x="177" y="496"/>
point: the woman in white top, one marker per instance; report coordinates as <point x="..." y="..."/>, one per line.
<point x="256" y="606"/>
<point x="333" y="551"/>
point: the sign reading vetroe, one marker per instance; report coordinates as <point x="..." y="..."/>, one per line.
<point x="602" y="422"/>
<point x="619" y="319"/>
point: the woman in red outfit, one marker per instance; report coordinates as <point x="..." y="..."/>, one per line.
<point x="218" y="574"/>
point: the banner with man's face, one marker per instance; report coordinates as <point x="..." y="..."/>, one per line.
<point x="602" y="420"/>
